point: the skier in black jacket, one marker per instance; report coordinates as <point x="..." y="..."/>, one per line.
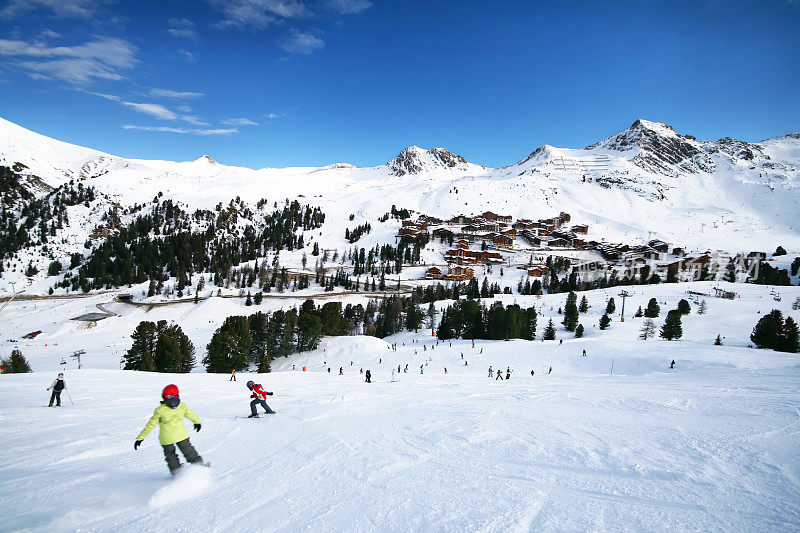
<point x="58" y="385"/>
<point x="368" y="376"/>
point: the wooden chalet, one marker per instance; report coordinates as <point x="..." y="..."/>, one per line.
<point x="582" y="229"/>
<point x="503" y="240"/>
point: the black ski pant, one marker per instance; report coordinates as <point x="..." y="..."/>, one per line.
<point x="187" y="450"/>
<point x="263" y="404"/>
<point x="233" y="378"/>
<point x="57" y="397"/>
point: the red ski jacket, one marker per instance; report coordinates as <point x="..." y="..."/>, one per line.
<point x="259" y="391"/>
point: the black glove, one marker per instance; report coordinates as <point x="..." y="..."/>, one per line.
<point x="197" y="427"/>
<point x="269" y="394"/>
<point x="137" y="444"/>
<point x="253" y="395"/>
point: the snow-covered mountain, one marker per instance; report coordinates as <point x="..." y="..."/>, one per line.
<point x="647" y="181"/>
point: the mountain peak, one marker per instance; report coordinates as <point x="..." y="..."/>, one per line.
<point x="414" y="160"/>
<point x="205" y="159"/>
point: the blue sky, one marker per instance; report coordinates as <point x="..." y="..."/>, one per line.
<point x="311" y="82"/>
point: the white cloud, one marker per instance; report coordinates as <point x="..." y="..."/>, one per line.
<point x="218" y="131"/>
<point x="239" y="122"/>
<point x="60" y="8"/>
<point x="167" y="129"/>
<point x="272" y="116"/>
<point x="194" y="119"/>
<point x="259" y="14"/>
<point x="187" y="55"/>
<point x="102" y="58"/>
<point x="349" y="7"/>
<point x="182" y="28"/>
<point x="156" y="128"/>
<point x="302" y="43"/>
<point x="166" y="93"/>
<point x="156" y="110"/>
<point x="47" y="33"/>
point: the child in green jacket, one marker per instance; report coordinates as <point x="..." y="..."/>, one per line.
<point x="169" y="416"/>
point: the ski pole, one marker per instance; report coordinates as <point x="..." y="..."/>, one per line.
<point x="70" y="398"/>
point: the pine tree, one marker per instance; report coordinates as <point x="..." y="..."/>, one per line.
<point x="702" y="307"/>
<point x="229" y="347"/>
<point x="15" y="363"/>
<point x="258" y="298"/>
<point x="549" y="333"/>
<point x="766" y="333"/>
<point x="249" y="301"/>
<point x="611" y="307"/>
<point x="653" y="309"/>
<point x="605" y="321"/>
<point x="638" y="312"/>
<point x="648" y="329"/>
<point x="445" y="329"/>
<point x="790" y="341"/>
<point x="579" y="331"/>
<point x="264" y="363"/>
<point x="796" y="304"/>
<point x="672" y="328"/>
<point x="730" y="272"/>
<point x="684" y="307"/>
<point x="584" y="305"/>
<point x="571" y="315"/>
<point x="718" y="340"/>
<point x="144" y="345"/>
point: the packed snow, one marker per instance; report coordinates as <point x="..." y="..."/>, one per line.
<point x="710" y="444"/>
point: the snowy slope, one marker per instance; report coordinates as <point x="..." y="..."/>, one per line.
<point x="725" y="194"/>
<point x="710" y="445"/>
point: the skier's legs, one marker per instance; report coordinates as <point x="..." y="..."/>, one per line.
<point x="58" y="398"/>
<point x="171" y="457"/>
<point x="52" y="397"/>
<point x="253" y="407"/>
<point x="189" y="452"/>
<point x="266" y="407"/>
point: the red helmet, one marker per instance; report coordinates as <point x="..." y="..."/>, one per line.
<point x="169" y="390"/>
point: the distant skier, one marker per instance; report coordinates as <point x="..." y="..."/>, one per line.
<point x="398" y="369"/>
<point x="380" y="361"/>
<point x="491" y="372"/>
<point x="233" y="375"/>
<point x="259" y="396"/>
<point x="329" y="370"/>
<point x="671" y="365"/>
<point x="445" y="370"/>
<point x="421" y="368"/>
<point x="57" y="385"/>
<point x="499" y="375"/>
<point x="405" y="369"/>
<point x="462" y="356"/>
<point x="560" y="342"/>
<point x="584" y="352"/>
<point x="532" y="372"/>
<point x="169" y="417"/>
<point x="465" y="363"/>
<point x="361" y="371"/>
<point x="481" y="350"/>
<point x="340" y="371"/>
<point x="368" y="375"/>
<point x="551" y="369"/>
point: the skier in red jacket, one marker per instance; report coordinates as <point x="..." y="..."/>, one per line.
<point x="259" y="397"/>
